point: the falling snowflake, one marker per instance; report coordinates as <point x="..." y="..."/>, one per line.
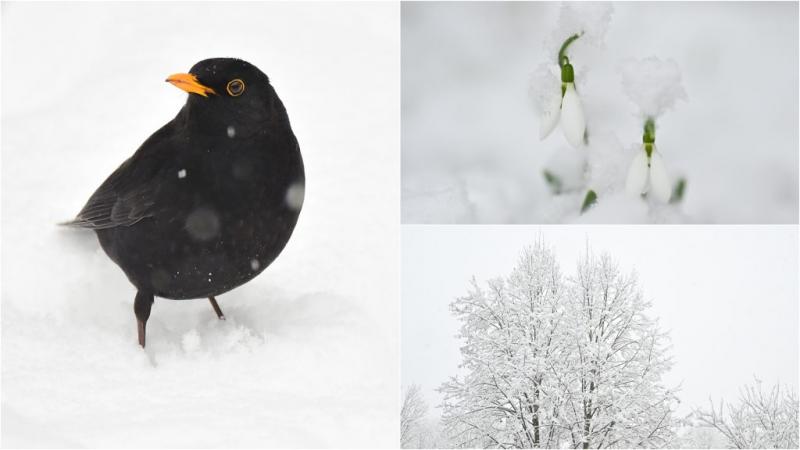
<point x="295" y="195"/>
<point x="203" y="224"/>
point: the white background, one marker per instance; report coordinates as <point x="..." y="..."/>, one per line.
<point x="726" y="294"/>
<point x="471" y="149"/>
<point x="308" y="355"/>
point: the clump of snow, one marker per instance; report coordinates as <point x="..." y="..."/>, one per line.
<point x="295" y="195"/>
<point x="231" y="131"/>
<point x="591" y="20"/>
<point x="652" y="84"/>
<point x="254" y="264"/>
<point x="182" y="173"/>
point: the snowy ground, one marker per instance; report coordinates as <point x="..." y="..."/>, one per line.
<point x="309" y="354"/>
<point x="471" y="149"/>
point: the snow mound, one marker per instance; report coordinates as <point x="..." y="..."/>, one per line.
<point x="278" y="359"/>
<point x="653" y="85"/>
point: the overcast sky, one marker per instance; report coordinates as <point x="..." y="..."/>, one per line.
<point x="727" y="294"/>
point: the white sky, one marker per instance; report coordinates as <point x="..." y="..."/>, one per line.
<point x="728" y="295"/>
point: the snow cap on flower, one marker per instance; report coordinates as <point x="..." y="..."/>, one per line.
<point x="590" y="19"/>
<point x="653" y="85"/>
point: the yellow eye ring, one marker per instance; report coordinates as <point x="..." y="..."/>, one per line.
<point x="235" y="87"/>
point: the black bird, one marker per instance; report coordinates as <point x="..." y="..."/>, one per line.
<point x="210" y="199"/>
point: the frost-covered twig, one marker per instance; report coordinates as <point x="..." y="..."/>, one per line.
<point x="759" y="420"/>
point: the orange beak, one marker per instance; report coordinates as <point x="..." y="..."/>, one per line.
<point x="189" y="83"/>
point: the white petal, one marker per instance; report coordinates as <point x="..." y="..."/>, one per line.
<point x="549" y="118"/>
<point x="572" y="122"/>
<point x="660" y="184"/>
<point x="636" y="183"/>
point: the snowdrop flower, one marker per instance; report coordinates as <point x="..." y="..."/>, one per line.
<point x="647" y="172"/>
<point x="568" y="111"/>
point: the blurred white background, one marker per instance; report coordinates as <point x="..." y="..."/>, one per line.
<point x="470" y="136"/>
<point x="308" y="356"/>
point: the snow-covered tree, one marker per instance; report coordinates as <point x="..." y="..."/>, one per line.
<point x="611" y="380"/>
<point x="759" y="420"/>
<point x="412" y="414"/>
<point x="551" y="361"/>
<point x="510" y="332"/>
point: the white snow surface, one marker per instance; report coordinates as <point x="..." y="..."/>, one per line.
<point x="308" y="355"/>
<point x="476" y="77"/>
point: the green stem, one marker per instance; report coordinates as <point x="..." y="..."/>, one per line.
<point x="649" y="136"/>
<point x="562" y="57"/>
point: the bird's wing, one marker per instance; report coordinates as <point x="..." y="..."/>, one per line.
<point x="122" y="200"/>
<point x="129" y="194"/>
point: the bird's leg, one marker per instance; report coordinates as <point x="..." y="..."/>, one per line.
<point x="216" y="307"/>
<point x="141" y="307"/>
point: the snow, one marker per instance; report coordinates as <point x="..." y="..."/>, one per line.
<point x="295" y="196"/>
<point x="477" y="77"/>
<point x="590" y="19"/>
<point x="308" y="353"/>
<point x="653" y="85"/>
<point x="182" y="173"/>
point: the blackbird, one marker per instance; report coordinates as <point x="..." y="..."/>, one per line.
<point x="210" y="199"/>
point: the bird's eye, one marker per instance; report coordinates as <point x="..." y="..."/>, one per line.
<point x="235" y="87"/>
